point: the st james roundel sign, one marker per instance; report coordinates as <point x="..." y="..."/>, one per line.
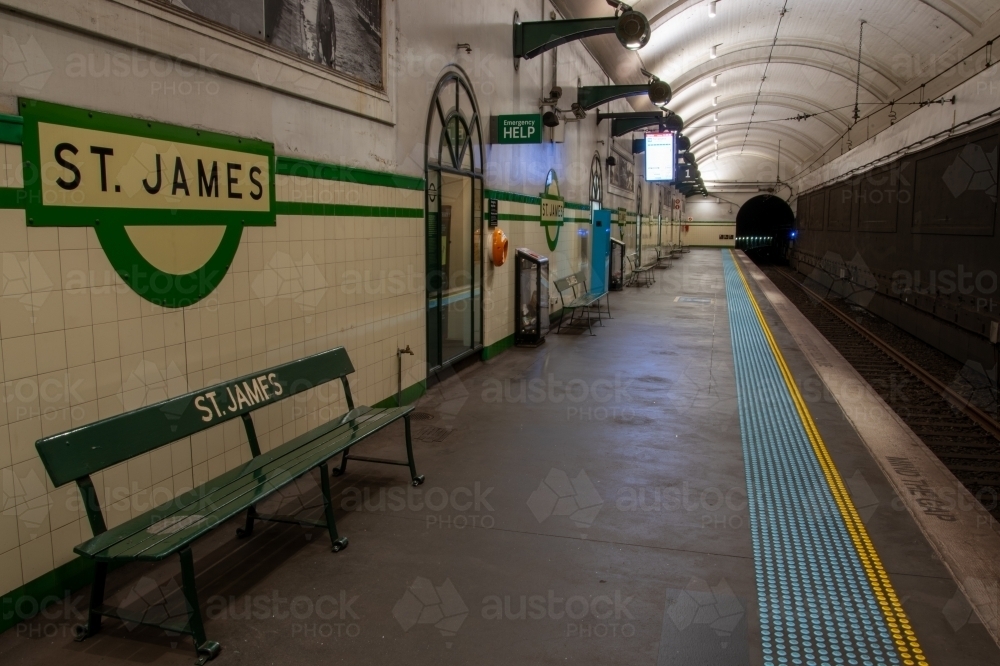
<point x="167" y="203"/>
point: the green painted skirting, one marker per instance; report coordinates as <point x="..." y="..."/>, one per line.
<point x="498" y="347"/>
<point x="12" y="197"/>
<point x="577" y="206"/>
<point x="28" y="600"/>
<point x="409" y="395"/>
<point x="290" y="166"/>
<point x="343" y="210"/>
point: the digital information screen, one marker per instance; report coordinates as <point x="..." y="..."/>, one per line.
<point x="661" y="157"/>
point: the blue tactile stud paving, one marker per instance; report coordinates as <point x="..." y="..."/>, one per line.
<point x="817" y="603"/>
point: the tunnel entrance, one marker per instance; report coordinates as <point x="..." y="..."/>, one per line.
<point x="763" y="228"/>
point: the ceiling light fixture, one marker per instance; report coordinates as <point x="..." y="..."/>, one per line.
<point x="716" y="115"/>
<point x="715" y="80"/>
<point x="715" y="102"/>
<point x="711" y="8"/>
<point x="715" y="51"/>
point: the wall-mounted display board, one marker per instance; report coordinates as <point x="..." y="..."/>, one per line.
<point x="661" y="157"/>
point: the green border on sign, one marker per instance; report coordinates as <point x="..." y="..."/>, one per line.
<point x="165" y="289"/>
<point x="551" y="179"/>
<point x="34" y="111"/>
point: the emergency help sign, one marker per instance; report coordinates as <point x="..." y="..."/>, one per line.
<point x="520" y="128"/>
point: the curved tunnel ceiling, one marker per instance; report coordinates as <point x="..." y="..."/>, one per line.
<point x="811" y="69"/>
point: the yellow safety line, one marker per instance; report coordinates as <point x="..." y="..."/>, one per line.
<point x="895" y="617"/>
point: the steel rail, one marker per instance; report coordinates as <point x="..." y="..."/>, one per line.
<point x="981" y="418"/>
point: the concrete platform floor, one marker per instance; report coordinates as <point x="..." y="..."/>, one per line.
<point x="585" y="503"/>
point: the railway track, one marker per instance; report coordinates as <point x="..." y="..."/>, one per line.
<point x="963" y="435"/>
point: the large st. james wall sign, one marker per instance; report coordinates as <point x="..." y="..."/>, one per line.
<point x="167" y="203"/>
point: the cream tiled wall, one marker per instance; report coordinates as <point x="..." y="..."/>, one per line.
<point x="77" y="345"/>
<point x="565" y="260"/>
<point x="11" y="169"/>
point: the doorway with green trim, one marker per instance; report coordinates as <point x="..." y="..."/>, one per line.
<point x="454" y="234"/>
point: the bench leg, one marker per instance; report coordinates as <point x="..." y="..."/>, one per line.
<point x="244" y="532"/>
<point x="339" y="542"/>
<point x="93" y="626"/>
<point x="415" y="479"/>
<point x="342" y="469"/>
<point x="206" y="649"/>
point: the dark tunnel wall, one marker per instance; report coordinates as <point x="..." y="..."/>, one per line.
<point x="915" y="241"/>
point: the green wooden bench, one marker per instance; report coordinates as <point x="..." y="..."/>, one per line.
<point x="172" y="527"/>
<point x="664" y="256"/>
<point x="580" y="298"/>
<point x="641" y="275"/>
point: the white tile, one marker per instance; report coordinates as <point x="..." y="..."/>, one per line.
<point x="79" y="346"/>
<point x="15" y="173"/>
<point x="15" y="316"/>
<point x="36" y="557"/>
<point x="64" y="539"/>
<point x="50" y="351"/>
<point x="19" y="357"/>
<point x="10" y="570"/>
<point x="106" y="341"/>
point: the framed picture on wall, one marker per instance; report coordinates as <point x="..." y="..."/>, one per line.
<point x="343" y="35"/>
<point x="622" y="174"/>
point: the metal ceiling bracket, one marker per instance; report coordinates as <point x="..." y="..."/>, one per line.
<point x="624" y="123"/>
<point x="533" y="38"/>
<point x="590" y="97"/>
<point x="647" y="115"/>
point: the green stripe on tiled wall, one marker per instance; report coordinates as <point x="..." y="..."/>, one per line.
<point x="12" y="197"/>
<point x="11" y="129"/>
<point x="343" y="210"/>
<point x="513" y="197"/>
<point x="289" y="166"/>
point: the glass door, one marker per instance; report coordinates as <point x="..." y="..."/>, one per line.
<point x="454" y="225"/>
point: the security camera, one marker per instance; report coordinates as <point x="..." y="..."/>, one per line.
<point x="550" y="119"/>
<point x="611" y="161"/>
<point x="578" y="111"/>
<point x="556" y="93"/>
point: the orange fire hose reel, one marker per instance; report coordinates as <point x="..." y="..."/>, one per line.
<point x="500" y="247"/>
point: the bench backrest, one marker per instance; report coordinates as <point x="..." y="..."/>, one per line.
<point x="577" y="283"/>
<point x="78" y="453"/>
